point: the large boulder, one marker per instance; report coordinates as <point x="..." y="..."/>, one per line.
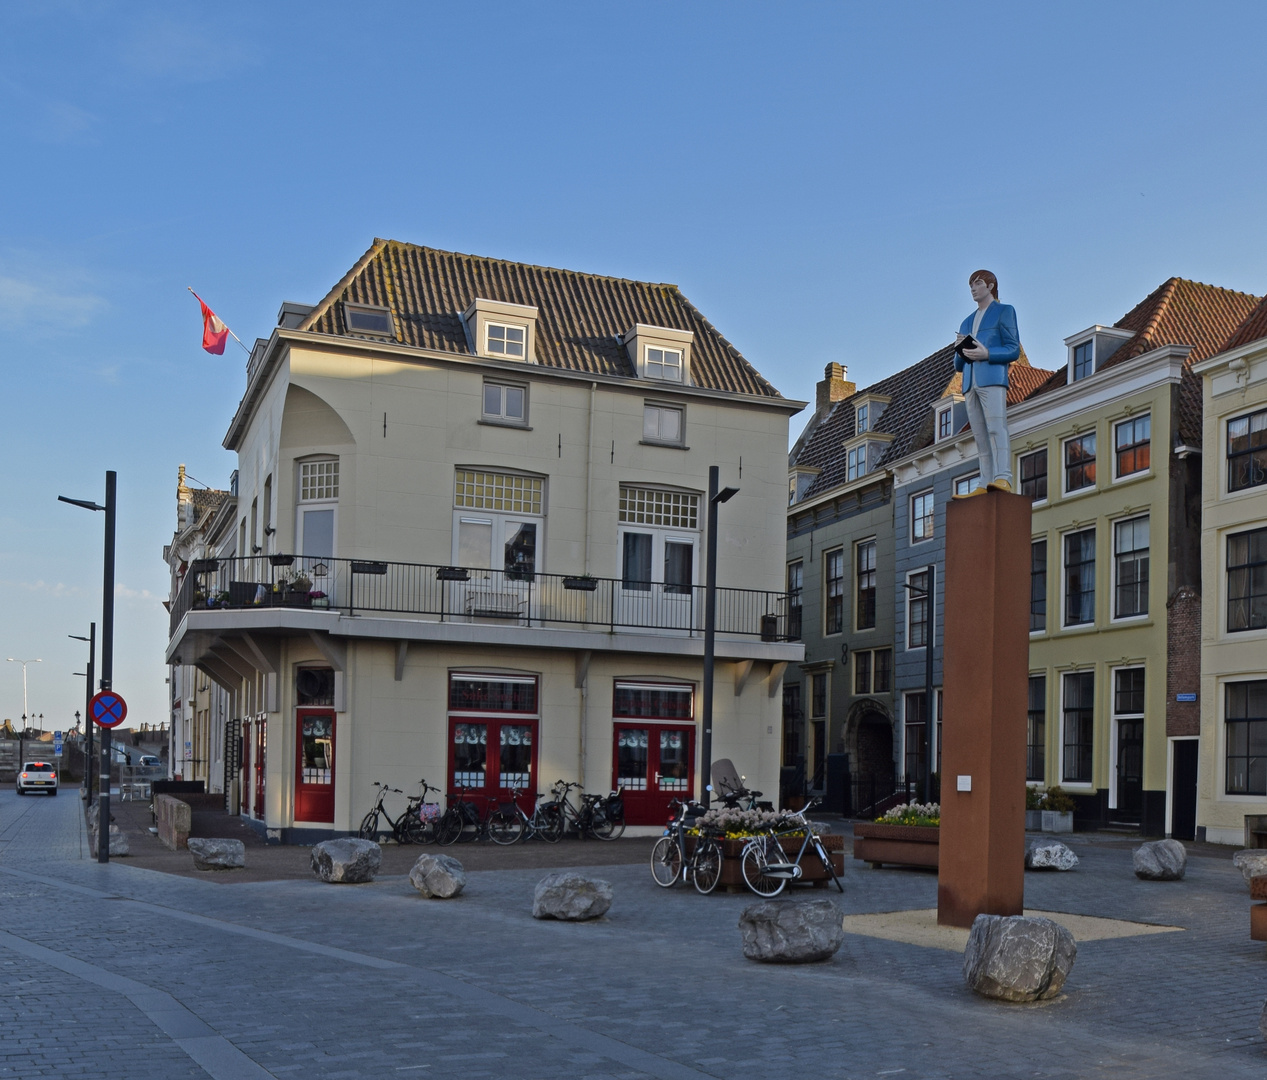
<point x="438" y="876"/>
<point x="118" y="841"/>
<point x="1049" y="855"/>
<point x="212" y="854"/>
<point x="1251" y="862"/>
<point x="791" y="931"/>
<point x="347" y="860"/>
<point x="1017" y="957"/>
<point x="1161" y="860"/>
<point x="571" y="897"/>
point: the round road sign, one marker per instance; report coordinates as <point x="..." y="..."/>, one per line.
<point x="107" y="709"/>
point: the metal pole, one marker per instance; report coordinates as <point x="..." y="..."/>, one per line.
<point x="89" y="690"/>
<point x="710" y="619"/>
<point x="107" y="670"/>
<point x="930" y="702"/>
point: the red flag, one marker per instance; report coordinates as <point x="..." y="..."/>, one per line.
<point x="214" y="332"/>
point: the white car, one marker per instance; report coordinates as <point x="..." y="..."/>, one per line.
<point x="37" y="776"/>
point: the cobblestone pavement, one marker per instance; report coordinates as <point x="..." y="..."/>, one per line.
<point x="120" y="971"/>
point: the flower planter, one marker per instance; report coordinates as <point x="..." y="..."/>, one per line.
<point x="580" y="584"/>
<point x="1033" y="820"/>
<point x="897" y="845"/>
<point x="1057" y="821"/>
<point x="321" y="602"/>
<point x="812" y="871"/>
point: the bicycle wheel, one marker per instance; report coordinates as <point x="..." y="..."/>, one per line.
<point x="549" y="824"/>
<point x="416" y="832"/>
<point x="757" y="854"/>
<point x="505" y="827"/>
<point x="449" y="827"/>
<point x="825" y="855"/>
<point x="369" y="826"/>
<point x="666" y="862"/>
<point x="605" y="828"/>
<point x="707" y="865"/>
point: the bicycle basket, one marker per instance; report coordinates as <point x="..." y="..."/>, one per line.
<point x="614" y="808"/>
<point x="470" y="815"/>
<point x="429" y="811"/>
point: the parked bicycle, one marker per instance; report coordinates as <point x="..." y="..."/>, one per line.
<point x="675" y="858"/>
<point x="767" y="868"/>
<point x="461" y="820"/>
<point x="507" y="822"/>
<point x="599" y="816"/>
<point x="409" y="828"/>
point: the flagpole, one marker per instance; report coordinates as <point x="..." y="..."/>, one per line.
<point x="226" y="325"/>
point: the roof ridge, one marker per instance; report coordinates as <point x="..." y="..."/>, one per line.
<point x="1167" y="289"/>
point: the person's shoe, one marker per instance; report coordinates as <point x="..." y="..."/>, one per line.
<point x="969" y="494"/>
<point x="999" y="485"/>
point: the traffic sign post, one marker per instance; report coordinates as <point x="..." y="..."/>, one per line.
<point x="107" y="709"/>
<point x="57" y="744"/>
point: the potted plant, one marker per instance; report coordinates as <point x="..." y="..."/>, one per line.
<point x="1033" y="809"/>
<point x="737" y="827"/>
<point x="1057" y="811"/>
<point x="319" y="599"/>
<point x="581" y="583"/>
<point x="907" y="835"/>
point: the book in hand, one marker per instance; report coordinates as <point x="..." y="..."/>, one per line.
<point x="968" y="342"/>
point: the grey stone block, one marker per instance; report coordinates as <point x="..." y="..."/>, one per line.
<point x="1049" y="855"/>
<point x="1251" y="862"/>
<point x="1017" y="957"/>
<point x="214" y="854"/>
<point x="118" y="842"/>
<point x="438" y="876"/>
<point x="1161" y="860"/>
<point x="571" y="897"/>
<point x="346" y="861"/>
<point x="791" y="931"/>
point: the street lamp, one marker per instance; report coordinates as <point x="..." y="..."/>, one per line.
<point x="930" y="704"/>
<point x="11" y="660"/>
<point x="88" y="691"/>
<point x="715" y="499"/>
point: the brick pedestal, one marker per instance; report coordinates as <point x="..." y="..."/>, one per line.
<point x="985" y="683"/>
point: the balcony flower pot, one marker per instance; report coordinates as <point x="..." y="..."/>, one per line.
<point x="897" y="845"/>
<point x="580" y="584"/>
<point x="281" y="560"/>
<point x="1057" y="821"/>
<point x="319" y="599"/>
<point x="452" y="573"/>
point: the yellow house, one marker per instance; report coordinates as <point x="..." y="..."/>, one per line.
<point x="471" y="508"/>
<point x="1232" y="793"/>
<point x="1109" y="449"/>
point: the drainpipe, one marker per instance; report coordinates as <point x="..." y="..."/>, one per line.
<point x="589" y="471"/>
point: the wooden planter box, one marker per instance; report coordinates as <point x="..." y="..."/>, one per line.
<point x="897" y="845"/>
<point x="812" y="871"/>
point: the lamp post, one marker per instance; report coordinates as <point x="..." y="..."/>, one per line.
<point x="715" y="499"/>
<point x="107" y="653"/>
<point x="929" y="594"/>
<point x="92" y="655"/>
<point x="11" y="660"/>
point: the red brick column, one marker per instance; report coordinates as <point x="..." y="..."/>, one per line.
<point x="985" y="671"/>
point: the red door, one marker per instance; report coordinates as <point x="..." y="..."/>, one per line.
<point x="261" y="748"/>
<point x="244" y="779"/>
<point x="490" y="757"/>
<point x="314" y="765"/>
<point x="654" y="763"/>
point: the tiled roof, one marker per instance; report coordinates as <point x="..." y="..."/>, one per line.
<point x="1252" y="329"/>
<point x="580" y="317"/>
<point x="1179" y="312"/>
<point x="207" y="498"/>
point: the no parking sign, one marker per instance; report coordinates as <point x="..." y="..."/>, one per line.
<point x="107" y="709"/>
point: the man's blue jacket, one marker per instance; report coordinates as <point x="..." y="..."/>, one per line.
<point x="997" y="333"/>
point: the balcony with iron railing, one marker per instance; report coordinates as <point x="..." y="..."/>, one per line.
<point x="516" y="597"/>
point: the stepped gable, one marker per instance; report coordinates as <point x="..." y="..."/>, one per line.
<point x="580" y="317"/>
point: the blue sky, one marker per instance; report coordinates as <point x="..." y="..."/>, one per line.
<point x="818" y="178"/>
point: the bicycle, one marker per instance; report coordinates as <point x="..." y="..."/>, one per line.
<point x="508" y="823"/>
<point x="406" y="829"/>
<point x="457" y="818"/>
<point x="599" y="816"/>
<point x="765" y="865"/>
<point x="670" y="862"/>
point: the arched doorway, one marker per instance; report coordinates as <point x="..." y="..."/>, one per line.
<point x="869" y="741"/>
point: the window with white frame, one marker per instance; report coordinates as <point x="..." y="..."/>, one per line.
<point x="873" y="671"/>
<point x="861" y="418"/>
<point x="1036" y="733"/>
<point x="507" y="402"/>
<point x="864" y="564"/>
<point x="1079" y="577"/>
<point x="1080" y="462"/>
<point x="1247" y="451"/>
<point x="1083" y="360"/>
<point x="857" y="462"/>
<point x="834" y="584"/>
<point x="319" y="480"/>
<point x="662" y="424"/>
<point x="1078" y="726"/>
<point x="1132" y="444"/>
<point x="503" y="340"/>
<point x="367" y="319"/>
<point x="1247" y="580"/>
<point x="1033" y="474"/>
<point x="663" y="364"/>
<point x="795" y="584"/>
<point x="498" y="520"/>
<point x="945" y="423"/>
<point x="966" y="485"/>
<point x="1130" y="568"/>
<point x="652" y="506"/>
<point x="1037" y="586"/>
<point x="921" y="517"/>
<point x="918" y="609"/>
<point x="1245" y="729"/>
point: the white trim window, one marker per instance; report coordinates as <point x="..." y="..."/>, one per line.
<point x="860" y="418"/>
<point x="857" y="462"/>
<point x="966" y="485"/>
<point x="1132" y="445"/>
<point x="367" y="319"/>
<point x="506" y="402"/>
<point x="1083" y="362"/>
<point x="1077" y="727"/>
<point x="945" y="423"/>
<point x="1130" y="568"/>
<point x="664" y="364"/>
<point x="1247" y="451"/>
<point x="1245" y="733"/>
<point x="1032" y="470"/>
<point x="503" y="339"/>
<point x="1079" y="577"/>
<point x="507" y="535"/>
<point x="922" y="506"/>
<point x="316" y="513"/>
<point x="1128" y="721"/>
<point x="1079" y="453"/>
<point x="918" y="609"/>
<point x="663" y="424"/>
<point x="319" y="480"/>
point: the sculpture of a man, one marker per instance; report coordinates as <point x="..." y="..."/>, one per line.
<point x="995" y="344"/>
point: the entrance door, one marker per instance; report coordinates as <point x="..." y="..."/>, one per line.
<point x="314" y="765"/>
<point x="492" y="757"/>
<point x="1130" y="769"/>
<point x="657" y="579"/>
<point x="316" y="533"/>
<point x="1183" y="790"/>
<point x="246" y="778"/>
<point x="654" y="763"/>
<point x="258" y="761"/>
<point x="500" y="555"/>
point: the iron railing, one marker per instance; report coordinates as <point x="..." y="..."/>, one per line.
<point x="468" y="594"/>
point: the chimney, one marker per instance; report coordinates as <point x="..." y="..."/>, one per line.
<point x="834" y="387"/>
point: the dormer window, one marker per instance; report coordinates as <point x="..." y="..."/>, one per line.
<point x="1090" y="350"/>
<point x="508" y="341"/>
<point x="1083" y="360"/>
<point x="857" y="465"/>
<point x="799" y="481"/>
<point x="664" y="364"/>
<point x="364" y="319"/>
<point x="860" y="418"/>
<point x="945" y="423"/>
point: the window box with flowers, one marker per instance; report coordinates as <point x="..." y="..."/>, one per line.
<point x="907" y="835"/>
